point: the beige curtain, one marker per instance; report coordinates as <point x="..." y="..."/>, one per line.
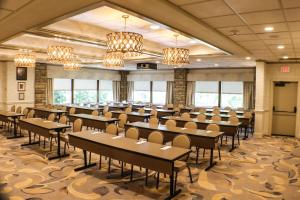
<point x="169" y="95"/>
<point x="49" y="91"/>
<point x="130" y="88"/>
<point x="248" y="95"/>
<point x="190" y="93"/>
<point x="116" y="91"/>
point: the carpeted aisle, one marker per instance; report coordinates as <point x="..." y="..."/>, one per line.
<point x="259" y="169"/>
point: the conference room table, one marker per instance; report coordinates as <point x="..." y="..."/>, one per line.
<point x="84" y="109"/>
<point x="133" y="116"/>
<point x="99" y="122"/>
<point x="228" y="128"/>
<point x="244" y="120"/>
<point x="5" y="117"/>
<point x="43" y="127"/>
<point x="114" y="107"/>
<point x="199" y="138"/>
<point x="161" y="112"/>
<point x="45" y="112"/>
<point x="223" y="111"/>
<point x="144" y="154"/>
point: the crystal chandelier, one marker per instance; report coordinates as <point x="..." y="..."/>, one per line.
<point x="73" y="65"/>
<point x="113" y="60"/>
<point x="128" y="43"/>
<point x="58" y="54"/>
<point x="25" y="59"/>
<point x="176" y="56"/>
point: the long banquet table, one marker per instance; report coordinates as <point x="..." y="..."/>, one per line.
<point x="84" y="109"/>
<point x="4" y="117"/>
<point x="148" y="155"/>
<point x="161" y="112"/>
<point x="44" y="112"/>
<point x="98" y="122"/>
<point x="133" y="116"/>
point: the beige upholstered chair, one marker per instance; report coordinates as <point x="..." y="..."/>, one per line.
<point x="190" y="125"/>
<point x="13" y="108"/>
<point x="31" y="114"/>
<point x="227" y="108"/>
<point x="132" y="133"/>
<point x="25" y="112"/>
<point x="153" y="121"/>
<point x="180" y="105"/>
<point x="112" y="129"/>
<point x="105" y="109"/>
<point x="215" y="128"/>
<point x="153" y="107"/>
<point x="216" y="118"/>
<point x="248" y="115"/>
<point x="72" y="111"/>
<point x="233" y="120"/>
<point x="202" y="110"/>
<point x="170" y="105"/>
<point x="51" y="117"/>
<point x="108" y="115"/>
<point x="19" y="109"/>
<point x="122" y="121"/>
<point x="95" y="113"/>
<point x="201" y="117"/>
<point x="232" y="113"/>
<point x="216" y="111"/>
<point x="128" y="110"/>
<point x="141" y="111"/>
<point x="177" y="111"/>
<point x="186" y="116"/>
<point x="62" y="120"/>
<point x="170" y="123"/>
<point x="77" y="127"/>
<point x="153" y="113"/>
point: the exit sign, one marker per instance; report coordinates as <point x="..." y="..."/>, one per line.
<point x="285" y="69"/>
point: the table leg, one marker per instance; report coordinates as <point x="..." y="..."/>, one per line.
<point x="172" y="192"/>
<point x="15" y="130"/>
<point x="211" y="161"/>
<point x="86" y="165"/>
<point x="30" y="143"/>
<point x="58" y="147"/>
<point x="232" y="144"/>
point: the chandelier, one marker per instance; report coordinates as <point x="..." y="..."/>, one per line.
<point x="58" y="54"/>
<point x="25" y="59"/>
<point x="113" y="60"/>
<point x="176" y="56"/>
<point x="128" y="43"/>
<point x="73" y="65"/>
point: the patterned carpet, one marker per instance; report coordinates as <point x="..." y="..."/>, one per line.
<point x="265" y="168"/>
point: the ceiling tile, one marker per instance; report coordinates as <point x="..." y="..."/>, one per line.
<point x="253" y="5"/>
<point x="264" y="17"/>
<point x="237" y="29"/>
<point x="290" y="3"/>
<point x="253" y="45"/>
<point x="247" y="37"/>
<point x="270" y="36"/>
<point x="183" y="2"/>
<point x="278" y="41"/>
<point x="12" y="4"/>
<point x="208" y="9"/>
<point x="224" y="21"/>
<point x="287" y="47"/>
<point x="294" y="26"/>
<point x="295" y="34"/>
<point x="4" y="13"/>
<point x="278" y="27"/>
<point x="292" y="14"/>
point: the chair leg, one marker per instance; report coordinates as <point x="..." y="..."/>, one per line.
<point x="190" y="174"/>
<point x="203" y="153"/>
<point x="131" y="173"/>
<point x="122" y="168"/>
<point x="109" y="161"/>
<point x="219" y="153"/>
<point x="146" y="180"/>
<point x="51" y="144"/>
<point x="157" y="180"/>
<point x="44" y="143"/>
<point x="65" y="148"/>
<point x="238" y="136"/>
<point x="175" y="182"/>
<point x="197" y="156"/>
<point x="100" y="162"/>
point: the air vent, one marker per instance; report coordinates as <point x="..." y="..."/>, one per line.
<point x="147" y="66"/>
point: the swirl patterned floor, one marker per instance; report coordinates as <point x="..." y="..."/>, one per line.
<point x="259" y="169"/>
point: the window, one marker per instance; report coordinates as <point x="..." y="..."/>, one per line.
<point x="141" y="91"/>
<point x="105" y="90"/>
<point x="232" y="94"/>
<point x="206" y="93"/>
<point x="85" y="91"/>
<point x="62" y="91"/>
<point x="159" y="90"/>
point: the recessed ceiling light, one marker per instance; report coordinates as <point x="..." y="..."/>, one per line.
<point x="248" y="58"/>
<point x="198" y="59"/>
<point x="216" y="64"/>
<point x="154" y="27"/>
<point x="269" y="28"/>
<point x="193" y="41"/>
<point x="280" y="47"/>
<point x="285" y="57"/>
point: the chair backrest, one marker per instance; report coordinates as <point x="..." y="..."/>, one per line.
<point x="72" y="110"/>
<point x="105" y="109"/>
<point x="19" y="109"/>
<point x="51" y="117"/>
<point x="227" y="108"/>
<point x="233" y="120"/>
<point x="177" y="109"/>
<point x="190" y="125"/>
<point x="153" y="121"/>
<point x="63" y="120"/>
<point x="213" y="127"/>
<point x="153" y="107"/>
<point x="202" y="110"/>
<point x="108" y="115"/>
<point x="248" y="114"/>
<point x="95" y="113"/>
<point x="31" y="114"/>
<point x="216" y="111"/>
<point x="182" y="141"/>
<point x="153" y="113"/>
<point x="122" y="120"/>
<point x="13" y="108"/>
<point x="216" y="118"/>
<point x="170" y="105"/>
<point x="201" y="117"/>
<point x="25" y="112"/>
<point x="170" y="123"/>
<point x="77" y="125"/>
<point x="180" y="105"/>
<point x="132" y="133"/>
<point x="112" y="129"/>
<point x="141" y="111"/>
<point x="128" y="110"/>
<point x="156" y="137"/>
<point x="232" y="113"/>
<point x="185" y="115"/>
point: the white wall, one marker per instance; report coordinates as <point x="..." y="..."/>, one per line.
<point x="9" y="94"/>
<point x="147" y="75"/>
<point x="84" y="73"/>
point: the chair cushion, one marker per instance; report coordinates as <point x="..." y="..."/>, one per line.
<point x="179" y="165"/>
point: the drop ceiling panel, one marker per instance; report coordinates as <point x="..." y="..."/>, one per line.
<point x="264" y="17"/>
<point x="294" y="26"/>
<point x="278" y="41"/>
<point x="278" y="27"/>
<point x="292" y="14"/>
<point x="4" y="13"/>
<point x="183" y="2"/>
<point x="224" y="21"/>
<point x="208" y="9"/>
<point x="242" y="6"/>
<point x="13" y="4"/>
<point x="247" y="37"/>
<point x="268" y="36"/>
<point x="290" y="3"/>
<point x="236" y="29"/>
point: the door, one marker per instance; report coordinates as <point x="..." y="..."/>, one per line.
<point x="284" y="108"/>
